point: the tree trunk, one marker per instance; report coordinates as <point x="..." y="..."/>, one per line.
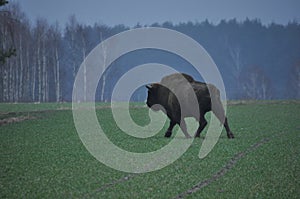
<point x="20" y="81"/>
<point x="44" y="75"/>
<point x="57" y="76"/>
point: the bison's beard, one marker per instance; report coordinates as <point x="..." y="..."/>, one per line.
<point x="157" y="107"/>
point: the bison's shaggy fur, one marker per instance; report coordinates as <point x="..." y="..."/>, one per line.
<point x="186" y="87"/>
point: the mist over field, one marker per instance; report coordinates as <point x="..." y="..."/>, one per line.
<point x="256" y="61"/>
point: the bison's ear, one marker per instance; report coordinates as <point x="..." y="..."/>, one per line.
<point x="153" y="86"/>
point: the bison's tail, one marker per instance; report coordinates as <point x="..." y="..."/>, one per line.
<point x="216" y="104"/>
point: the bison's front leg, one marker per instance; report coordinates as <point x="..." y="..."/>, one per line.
<point x="169" y="131"/>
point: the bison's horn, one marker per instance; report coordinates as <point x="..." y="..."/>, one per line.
<point x="148" y="86"/>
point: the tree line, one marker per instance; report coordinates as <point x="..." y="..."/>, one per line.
<point x="256" y="61"/>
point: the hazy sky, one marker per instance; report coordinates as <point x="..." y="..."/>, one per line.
<point x="146" y="12"/>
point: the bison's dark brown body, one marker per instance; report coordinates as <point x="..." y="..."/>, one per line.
<point x="185" y="87"/>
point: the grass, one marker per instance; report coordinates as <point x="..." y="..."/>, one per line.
<point x="45" y="158"/>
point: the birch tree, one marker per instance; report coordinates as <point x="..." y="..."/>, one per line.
<point x="71" y="36"/>
<point x="256" y="85"/>
<point x="8" y="50"/>
<point x="294" y="81"/>
<point x="84" y="43"/>
<point x="56" y="38"/>
<point x="40" y="35"/>
<point x="101" y="32"/>
<point x="235" y="54"/>
<point x="104" y="53"/>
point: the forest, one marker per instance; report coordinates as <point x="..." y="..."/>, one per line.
<point x="257" y="61"/>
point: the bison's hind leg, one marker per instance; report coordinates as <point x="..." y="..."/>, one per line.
<point x="218" y="110"/>
<point x="169" y="131"/>
<point x="229" y="133"/>
<point x="182" y="125"/>
<point x="184" y="128"/>
<point x="202" y="124"/>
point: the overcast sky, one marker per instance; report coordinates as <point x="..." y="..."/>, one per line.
<point x="146" y="12"/>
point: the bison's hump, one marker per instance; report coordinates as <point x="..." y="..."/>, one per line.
<point x="177" y="81"/>
<point x="177" y="77"/>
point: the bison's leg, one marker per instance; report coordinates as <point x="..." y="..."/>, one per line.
<point x="218" y="110"/>
<point x="202" y="124"/>
<point x="169" y="131"/>
<point x="225" y="123"/>
<point x="184" y="129"/>
<point x="229" y="133"/>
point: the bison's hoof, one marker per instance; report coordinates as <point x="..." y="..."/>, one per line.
<point x="230" y="135"/>
<point x="168" y="134"/>
<point x="197" y="135"/>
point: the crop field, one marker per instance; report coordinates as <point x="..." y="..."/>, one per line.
<point x="42" y="156"/>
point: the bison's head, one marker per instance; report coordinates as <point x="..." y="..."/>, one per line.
<point x="153" y="99"/>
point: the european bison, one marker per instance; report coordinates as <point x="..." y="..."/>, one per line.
<point x="208" y="97"/>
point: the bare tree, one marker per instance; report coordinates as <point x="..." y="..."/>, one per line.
<point x="102" y="31"/>
<point x="56" y="36"/>
<point x="51" y="71"/>
<point x="23" y="40"/>
<point x="237" y="64"/>
<point x="256" y="85"/>
<point x="6" y="34"/>
<point x="104" y="53"/>
<point x="84" y="41"/>
<point x="294" y="81"/>
<point x="40" y="35"/>
<point x="71" y="35"/>
<point x="15" y="71"/>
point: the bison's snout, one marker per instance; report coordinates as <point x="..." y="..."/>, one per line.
<point x="156" y="107"/>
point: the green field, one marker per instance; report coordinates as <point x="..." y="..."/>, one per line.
<point x="43" y="157"/>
